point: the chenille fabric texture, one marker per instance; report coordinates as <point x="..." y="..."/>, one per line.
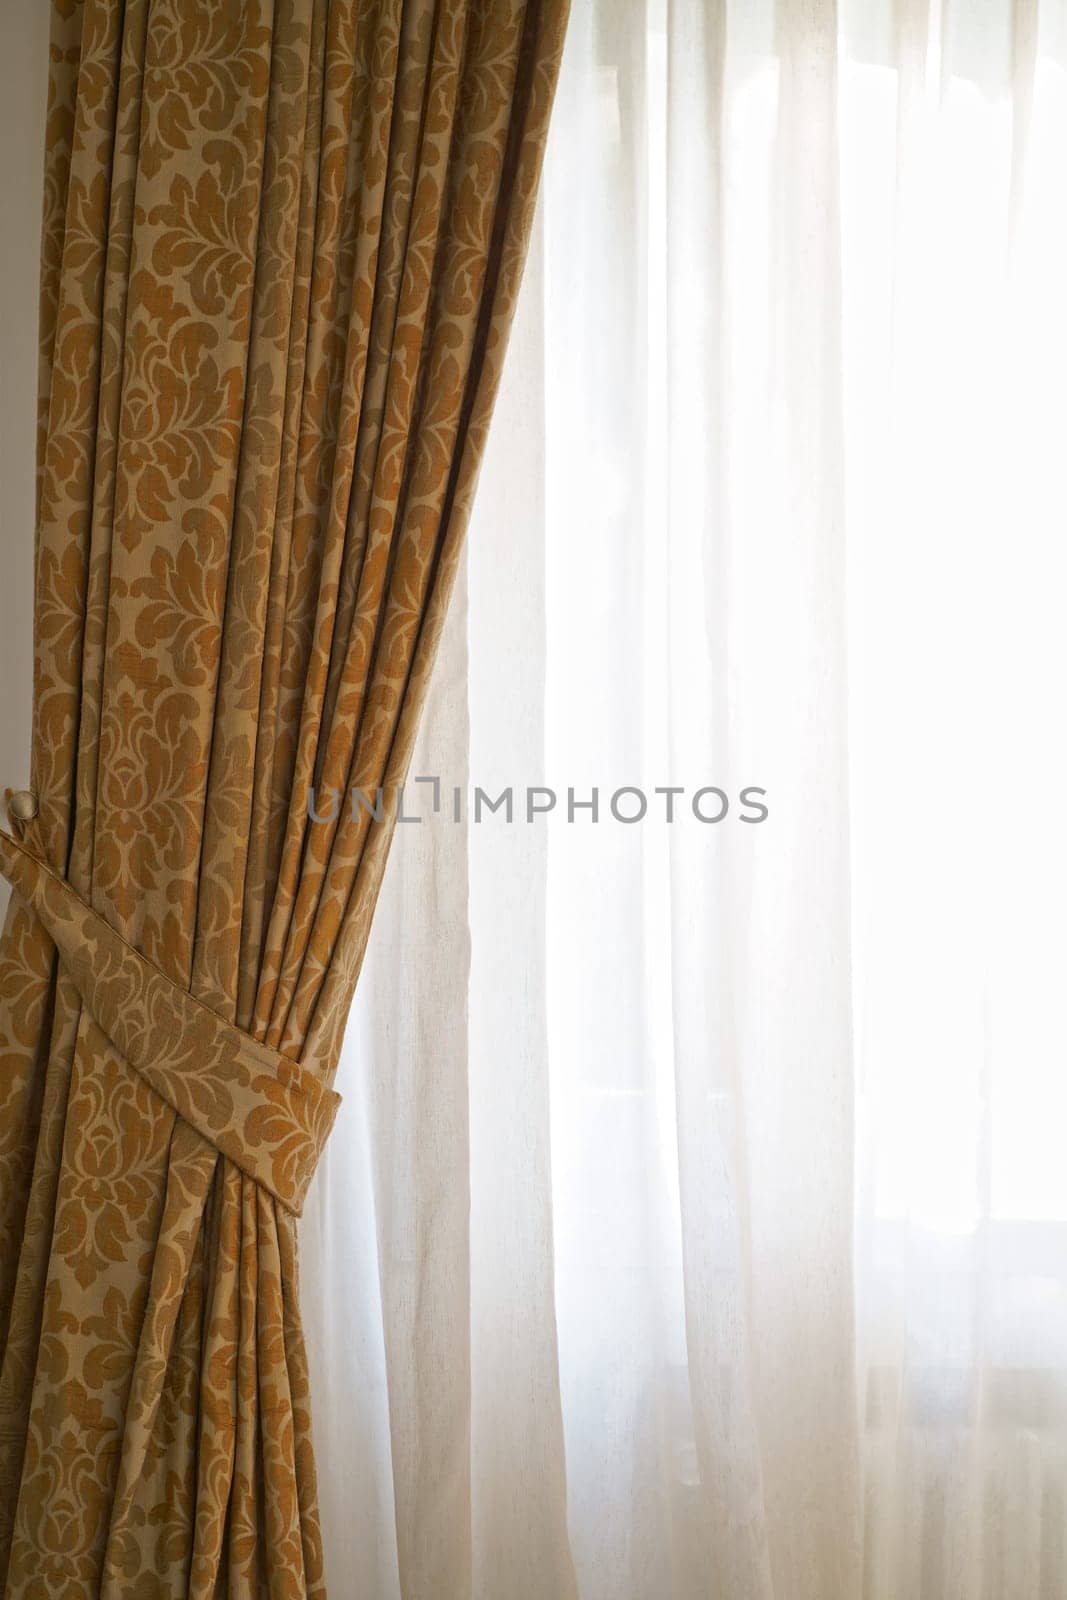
<point x="282" y="243"/>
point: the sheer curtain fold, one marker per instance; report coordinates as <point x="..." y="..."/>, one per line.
<point x="765" y="1244"/>
<point x="282" y="244"/>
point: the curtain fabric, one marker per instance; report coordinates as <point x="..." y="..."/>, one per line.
<point x="747" y="1162"/>
<point x="281" y="247"/>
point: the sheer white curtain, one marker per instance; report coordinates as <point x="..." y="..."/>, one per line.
<point x="696" y="1223"/>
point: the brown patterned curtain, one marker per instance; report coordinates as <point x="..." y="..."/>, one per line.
<point x="282" y="244"/>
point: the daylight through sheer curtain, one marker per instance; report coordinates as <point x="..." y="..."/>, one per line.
<point x="702" y="1188"/>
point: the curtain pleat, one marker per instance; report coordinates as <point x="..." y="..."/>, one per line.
<point x="282" y="242"/>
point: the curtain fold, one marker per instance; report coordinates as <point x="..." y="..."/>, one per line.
<point x="281" y="248"/>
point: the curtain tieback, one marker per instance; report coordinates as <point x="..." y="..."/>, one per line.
<point x="260" y="1108"/>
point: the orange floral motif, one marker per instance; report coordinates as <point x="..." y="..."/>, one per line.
<point x="282" y="245"/>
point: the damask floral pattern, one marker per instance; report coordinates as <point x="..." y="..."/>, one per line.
<point x="282" y="244"/>
<point x="264" y="1111"/>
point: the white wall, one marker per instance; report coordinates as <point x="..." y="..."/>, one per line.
<point x="23" y="83"/>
